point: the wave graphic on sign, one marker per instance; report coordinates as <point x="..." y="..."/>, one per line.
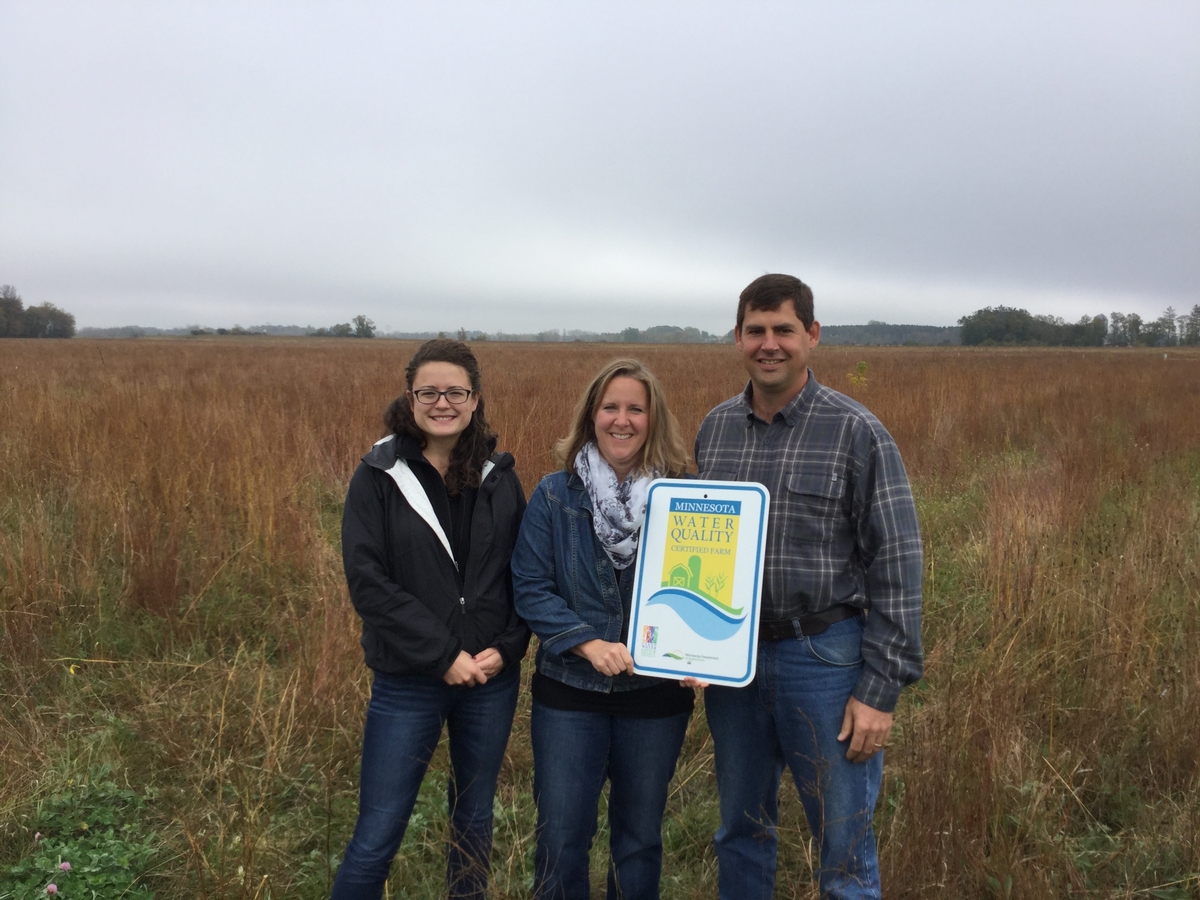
<point x="711" y="621"/>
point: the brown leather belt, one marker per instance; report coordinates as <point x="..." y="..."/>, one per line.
<point x="790" y="629"/>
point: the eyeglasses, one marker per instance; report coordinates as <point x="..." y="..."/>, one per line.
<point x="429" y="396"/>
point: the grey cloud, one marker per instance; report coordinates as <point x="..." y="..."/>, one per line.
<point x="571" y="163"/>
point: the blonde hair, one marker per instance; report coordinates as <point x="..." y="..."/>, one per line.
<point x="664" y="451"/>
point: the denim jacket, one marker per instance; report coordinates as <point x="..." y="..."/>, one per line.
<point x="565" y="586"/>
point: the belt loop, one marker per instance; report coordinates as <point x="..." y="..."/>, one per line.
<point x="796" y="626"/>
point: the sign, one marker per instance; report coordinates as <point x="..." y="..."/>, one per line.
<point x="698" y="581"/>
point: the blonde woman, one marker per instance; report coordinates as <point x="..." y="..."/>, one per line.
<point x="594" y="720"/>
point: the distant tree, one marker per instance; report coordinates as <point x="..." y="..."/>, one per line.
<point x="345" y="329"/>
<point x="998" y="325"/>
<point x="664" y="334"/>
<point x="48" y="321"/>
<point x="1089" y="331"/>
<point x="363" y="327"/>
<point x="1133" y="328"/>
<point x="1006" y="325"/>
<point x="1161" y="332"/>
<point x="631" y="336"/>
<point x="1118" y="330"/>
<point x="43" y="321"/>
<point x="1190" y="328"/>
<point x="12" y="312"/>
<point x="462" y="334"/>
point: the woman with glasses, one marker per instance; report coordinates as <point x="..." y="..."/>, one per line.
<point x="594" y="720"/>
<point x="430" y="521"/>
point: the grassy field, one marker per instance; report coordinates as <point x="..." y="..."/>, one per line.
<point x="183" y="690"/>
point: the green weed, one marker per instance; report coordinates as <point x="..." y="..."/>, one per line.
<point x="88" y="839"/>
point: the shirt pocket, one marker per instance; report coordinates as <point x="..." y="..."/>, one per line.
<point x="813" y="505"/>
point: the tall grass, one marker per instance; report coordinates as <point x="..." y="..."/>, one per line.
<point x="173" y="607"/>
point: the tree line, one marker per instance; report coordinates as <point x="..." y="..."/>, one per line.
<point x="1006" y="325"/>
<point x="987" y="326"/>
<point x="362" y="328"/>
<point x="876" y="333"/>
<point x="43" y="321"/>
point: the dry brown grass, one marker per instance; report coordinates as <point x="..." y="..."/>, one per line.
<point x="169" y="515"/>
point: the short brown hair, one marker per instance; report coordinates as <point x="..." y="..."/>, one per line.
<point x="664" y="451"/>
<point x="770" y="292"/>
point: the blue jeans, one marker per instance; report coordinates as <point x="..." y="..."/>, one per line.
<point x="791" y="714"/>
<point x="404" y="723"/>
<point x="573" y="754"/>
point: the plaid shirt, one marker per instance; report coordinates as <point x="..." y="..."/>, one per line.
<point x="842" y="526"/>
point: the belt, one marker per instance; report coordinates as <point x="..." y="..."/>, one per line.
<point x="790" y="629"/>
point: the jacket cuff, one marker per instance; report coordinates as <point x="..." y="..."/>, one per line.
<point x="448" y="658"/>
<point x="562" y="643"/>
<point x="512" y="649"/>
<point x="875" y="692"/>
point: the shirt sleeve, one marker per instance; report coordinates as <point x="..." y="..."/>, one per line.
<point x="889" y="545"/>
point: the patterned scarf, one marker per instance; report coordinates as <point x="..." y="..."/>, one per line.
<point x="618" y="510"/>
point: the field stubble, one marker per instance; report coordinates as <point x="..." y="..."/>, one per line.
<point x="173" y="608"/>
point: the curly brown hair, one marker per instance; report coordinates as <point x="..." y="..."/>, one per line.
<point x="477" y="441"/>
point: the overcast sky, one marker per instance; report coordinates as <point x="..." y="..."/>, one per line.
<point x="524" y="166"/>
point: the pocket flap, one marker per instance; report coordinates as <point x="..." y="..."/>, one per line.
<point x="816" y="483"/>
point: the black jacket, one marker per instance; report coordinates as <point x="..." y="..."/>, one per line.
<point x="418" y="611"/>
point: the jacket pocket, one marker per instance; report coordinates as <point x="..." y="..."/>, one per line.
<point x="813" y="509"/>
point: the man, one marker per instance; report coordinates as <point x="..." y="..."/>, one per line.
<point x="841" y="604"/>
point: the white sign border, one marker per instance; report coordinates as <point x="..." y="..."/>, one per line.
<point x="759" y="545"/>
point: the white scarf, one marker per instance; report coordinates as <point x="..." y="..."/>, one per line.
<point x="618" y="510"/>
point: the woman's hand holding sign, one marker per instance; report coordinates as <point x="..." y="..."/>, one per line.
<point x="606" y="657"/>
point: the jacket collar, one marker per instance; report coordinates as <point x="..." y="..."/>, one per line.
<point x="575" y="483"/>
<point x="386" y="451"/>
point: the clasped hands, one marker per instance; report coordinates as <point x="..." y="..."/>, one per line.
<point x="468" y="670"/>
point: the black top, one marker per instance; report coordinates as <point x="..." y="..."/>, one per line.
<point x="454" y="513"/>
<point x="417" y="608"/>
<point x="658" y="701"/>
